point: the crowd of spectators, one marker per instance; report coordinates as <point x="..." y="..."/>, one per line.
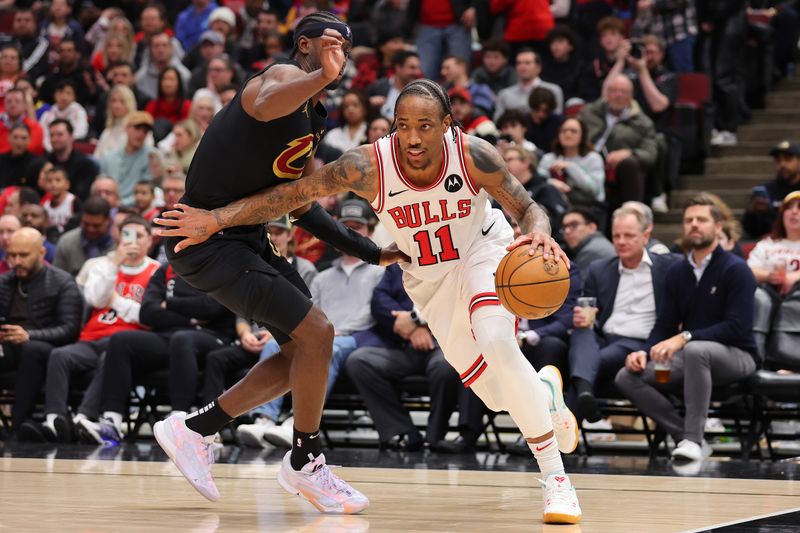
<point x="102" y="108"/>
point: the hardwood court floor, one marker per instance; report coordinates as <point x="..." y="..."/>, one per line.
<point x="122" y="496"/>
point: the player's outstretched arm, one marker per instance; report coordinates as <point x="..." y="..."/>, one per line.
<point x="355" y="171"/>
<point x="488" y="169"/>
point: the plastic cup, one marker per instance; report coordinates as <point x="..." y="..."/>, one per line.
<point x="662" y="372"/>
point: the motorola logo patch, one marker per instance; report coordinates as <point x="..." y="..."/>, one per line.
<point x="453" y="183"/>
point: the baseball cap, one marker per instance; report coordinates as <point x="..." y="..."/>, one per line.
<point x="212" y="36"/>
<point x="786" y="147"/>
<point x="794" y="195"/>
<point x="354" y="210"/>
<point x="139" y="118"/>
<point x="225" y="14"/>
<point x="460" y="92"/>
<point x="281" y="222"/>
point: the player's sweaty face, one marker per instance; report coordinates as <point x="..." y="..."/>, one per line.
<point x="419" y="131"/>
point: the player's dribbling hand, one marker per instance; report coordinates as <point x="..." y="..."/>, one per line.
<point x="551" y="249"/>
<point x="197" y="225"/>
<point x="391" y="254"/>
<point x="332" y="55"/>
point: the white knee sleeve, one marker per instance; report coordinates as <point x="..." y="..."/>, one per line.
<point x="509" y="383"/>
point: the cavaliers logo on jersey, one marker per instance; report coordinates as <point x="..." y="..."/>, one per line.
<point x="289" y="163"/>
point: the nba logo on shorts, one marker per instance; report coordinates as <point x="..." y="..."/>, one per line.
<point x="453" y="183"/>
<point x="299" y="442"/>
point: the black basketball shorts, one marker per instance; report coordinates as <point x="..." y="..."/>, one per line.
<point x="240" y="270"/>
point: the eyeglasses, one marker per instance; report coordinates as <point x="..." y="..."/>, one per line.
<point x="571" y="226"/>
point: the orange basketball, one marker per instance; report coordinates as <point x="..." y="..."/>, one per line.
<point x="529" y="286"/>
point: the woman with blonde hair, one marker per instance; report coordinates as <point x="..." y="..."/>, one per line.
<point x="205" y="105"/>
<point x="117" y="47"/>
<point x="121" y="103"/>
<point x="187" y="137"/>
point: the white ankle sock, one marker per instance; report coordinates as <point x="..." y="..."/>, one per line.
<point x="77" y="418"/>
<point x="548" y="457"/>
<point x="50" y="420"/>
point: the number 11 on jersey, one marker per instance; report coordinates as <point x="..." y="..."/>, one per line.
<point x="426" y="255"/>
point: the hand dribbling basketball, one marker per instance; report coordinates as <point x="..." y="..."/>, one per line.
<point x="533" y="283"/>
<point x="550" y="247"/>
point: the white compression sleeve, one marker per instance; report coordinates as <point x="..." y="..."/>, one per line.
<point x="510" y="382"/>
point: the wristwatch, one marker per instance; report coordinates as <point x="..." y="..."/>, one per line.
<point x="687" y="336"/>
<point x="416" y="318"/>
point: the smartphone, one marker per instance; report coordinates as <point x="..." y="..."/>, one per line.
<point x="129" y="235"/>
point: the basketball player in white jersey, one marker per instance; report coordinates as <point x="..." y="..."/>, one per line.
<point x="429" y="183"/>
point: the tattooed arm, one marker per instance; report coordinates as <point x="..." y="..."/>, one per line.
<point x="355" y="171"/>
<point x="488" y="170"/>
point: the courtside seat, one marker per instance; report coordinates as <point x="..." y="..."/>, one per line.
<point x="776" y="395"/>
<point x="781" y="387"/>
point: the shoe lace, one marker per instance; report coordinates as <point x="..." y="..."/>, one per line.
<point x="329" y="480"/>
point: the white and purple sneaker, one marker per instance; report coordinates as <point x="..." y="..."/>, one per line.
<point x="191" y="452"/>
<point x="325" y="490"/>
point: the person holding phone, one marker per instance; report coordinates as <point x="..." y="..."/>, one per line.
<point x="184" y="325"/>
<point x="114" y="289"/>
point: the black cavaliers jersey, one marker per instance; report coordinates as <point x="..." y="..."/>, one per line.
<point x="239" y="155"/>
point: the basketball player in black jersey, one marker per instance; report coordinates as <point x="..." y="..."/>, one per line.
<point x="266" y="136"/>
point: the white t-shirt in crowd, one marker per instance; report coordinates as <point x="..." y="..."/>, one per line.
<point x="766" y="252"/>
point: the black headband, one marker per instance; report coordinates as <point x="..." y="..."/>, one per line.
<point x="316" y="29"/>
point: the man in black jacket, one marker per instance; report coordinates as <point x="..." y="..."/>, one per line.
<point x="185" y="325"/>
<point x="68" y="67"/>
<point x="766" y="199"/>
<point x="32" y="44"/>
<point x="41" y="308"/>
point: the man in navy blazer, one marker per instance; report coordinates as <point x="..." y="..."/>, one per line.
<point x="704" y="331"/>
<point x="629" y="289"/>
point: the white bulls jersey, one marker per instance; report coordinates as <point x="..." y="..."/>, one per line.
<point x="434" y="225"/>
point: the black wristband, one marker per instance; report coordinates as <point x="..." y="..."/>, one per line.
<point x="321" y="224"/>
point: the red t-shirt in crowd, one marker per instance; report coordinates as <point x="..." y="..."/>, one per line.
<point x="105" y="322"/>
<point x="174" y="111"/>
<point x="437" y="13"/>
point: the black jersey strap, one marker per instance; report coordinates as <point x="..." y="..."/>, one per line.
<point x="321" y="224"/>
